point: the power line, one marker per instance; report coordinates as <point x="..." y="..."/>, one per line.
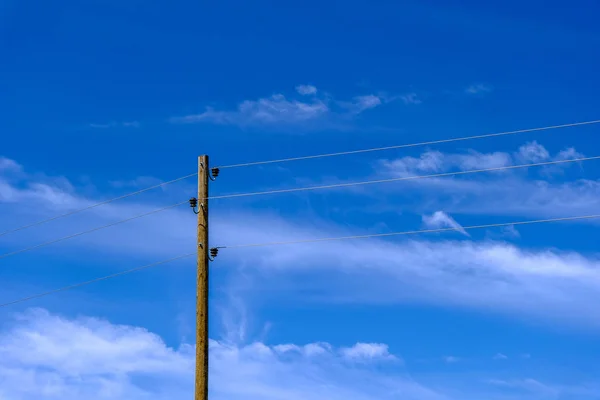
<point x="405" y="178"/>
<point x="402" y="146"/>
<point x="90" y="230"/>
<point x="376" y="235"/>
<point x="96" y="205"/>
<point x="298" y="159"/>
<point x="129" y="271"/>
<point x="238" y="246"/>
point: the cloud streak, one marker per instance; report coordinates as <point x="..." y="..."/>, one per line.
<point x="313" y="108"/>
<point x="546" y="284"/>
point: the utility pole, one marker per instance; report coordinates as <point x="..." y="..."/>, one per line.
<point x="201" y="392"/>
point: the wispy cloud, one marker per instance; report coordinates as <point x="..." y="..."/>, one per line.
<point x="280" y="110"/>
<point x="542" y="283"/>
<point x="436" y="161"/>
<point x="440" y="219"/>
<point x="411" y="98"/>
<point x="273" y="110"/>
<point x="306" y="90"/>
<point x="9" y="166"/>
<point x="362" y="103"/>
<point x="451" y="359"/>
<point x="540" y="390"/>
<point x="126" y="124"/>
<point x="478" y="88"/>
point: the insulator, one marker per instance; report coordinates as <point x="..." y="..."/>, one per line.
<point x="215" y="172"/>
<point x="214" y="252"/>
<point x="193" y="202"/>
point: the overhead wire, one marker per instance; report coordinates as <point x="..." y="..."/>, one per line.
<point x="420" y="231"/>
<point x="432" y="142"/>
<point x="96" y="205"/>
<point x="65" y="288"/>
<point x="306" y="241"/>
<point x="91" y="230"/>
<point x="403" y="146"/>
<point x="398" y="179"/>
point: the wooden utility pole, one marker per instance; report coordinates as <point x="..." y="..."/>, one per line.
<point x="201" y="392"/>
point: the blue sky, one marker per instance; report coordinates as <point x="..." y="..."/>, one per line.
<point x="102" y="98"/>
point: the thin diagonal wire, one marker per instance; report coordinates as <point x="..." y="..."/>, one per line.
<point x="378" y="235"/>
<point x="96" y="205"/>
<point x="504" y="224"/>
<point x="89" y="231"/>
<point x="404" y="178"/>
<point x="403" y="146"/>
<point x="129" y="271"/>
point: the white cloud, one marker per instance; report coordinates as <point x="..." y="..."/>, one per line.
<point x="436" y="161"/>
<point x="546" y="284"/>
<point x="278" y="110"/>
<point x="568" y="154"/>
<point x="362" y="103"/>
<point x="8" y="165"/>
<point x="478" y="88"/>
<point x="500" y="356"/>
<point x="532" y="152"/>
<point x="306" y="89"/>
<point x="43" y="355"/>
<point x="272" y="110"/>
<point x="47" y="356"/>
<point x="410" y="98"/>
<point x="509" y="232"/>
<point x="505" y="192"/>
<point x="492" y="276"/>
<point x="367" y="352"/>
<point x="429" y="161"/>
<point x="440" y="219"/>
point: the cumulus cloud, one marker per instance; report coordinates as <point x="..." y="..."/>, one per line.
<point x="501" y="192"/>
<point x="532" y="152"/>
<point x="43" y="355"/>
<point x="568" y="154"/>
<point x="367" y="352"/>
<point x="436" y="161"/>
